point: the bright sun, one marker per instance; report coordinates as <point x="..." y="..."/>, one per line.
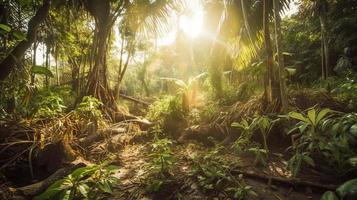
<point x="191" y="22"/>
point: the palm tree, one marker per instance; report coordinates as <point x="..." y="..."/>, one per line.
<point x="255" y="17"/>
<point x="281" y="68"/>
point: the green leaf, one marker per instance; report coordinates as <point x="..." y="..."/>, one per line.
<point x="105" y="186"/>
<point x="37" y="69"/>
<point x="353" y="129"/>
<point x="83" y="189"/>
<point x="303" y="127"/>
<point x="308" y="160"/>
<point x="53" y="190"/>
<point x="64" y="195"/>
<point x="291" y="71"/>
<point x="312" y="116"/>
<point x="349" y="187"/>
<point x="298" y="116"/>
<point x="329" y="195"/>
<point x="84" y="171"/>
<point x="19" y="35"/>
<point x="4" y="27"/>
<point x="322" y="114"/>
<point x="353" y="161"/>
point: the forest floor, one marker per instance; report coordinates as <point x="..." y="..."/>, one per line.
<point x="197" y="172"/>
<point x="133" y="174"/>
<point x="223" y="172"/>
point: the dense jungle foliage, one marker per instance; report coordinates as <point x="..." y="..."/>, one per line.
<point x="178" y="99"/>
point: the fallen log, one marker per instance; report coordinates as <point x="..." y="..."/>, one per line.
<point x="138" y="101"/>
<point x="286" y="181"/>
<point x="84" y="142"/>
<point x="39" y="187"/>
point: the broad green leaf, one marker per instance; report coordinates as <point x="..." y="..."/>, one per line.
<point x="349" y="187"/>
<point x="4" y="27"/>
<point x="105" y="186"/>
<point x="298" y="116"/>
<point x="51" y="191"/>
<point x="19" y="35"/>
<point x="322" y="114"/>
<point x="329" y="195"/>
<point x="84" y="189"/>
<point x="37" y="69"/>
<point x="84" y="171"/>
<point x="312" y="116"/>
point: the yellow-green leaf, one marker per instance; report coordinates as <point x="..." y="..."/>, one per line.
<point x="298" y="116"/>
<point x="312" y="116"/>
<point x="322" y="114"/>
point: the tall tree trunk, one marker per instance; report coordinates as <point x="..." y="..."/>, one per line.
<point x="272" y="94"/>
<point x="97" y="80"/>
<point x="324" y="42"/>
<point x="56" y="65"/>
<point x="7" y="65"/>
<point x="281" y="69"/>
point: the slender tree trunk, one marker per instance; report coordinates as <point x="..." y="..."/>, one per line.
<point x="56" y="64"/>
<point x="281" y="69"/>
<point x="47" y="63"/>
<point x="272" y="93"/>
<point x="323" y="72"/>
<point x="8" y="64"/>
<point x="324" y="48"/>
<point x="34" y="62"/>
<point x="117" y="87"/>
<point x="325" y="65"/>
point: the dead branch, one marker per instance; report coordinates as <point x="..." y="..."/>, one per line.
<point x="86" y="141"/>
<point x="134" y="99"/>
<point x="286" y="181"/>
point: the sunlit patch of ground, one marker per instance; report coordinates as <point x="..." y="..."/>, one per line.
<point x="132" y="175"/>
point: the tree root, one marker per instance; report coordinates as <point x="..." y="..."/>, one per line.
<point x="39" y="187"/>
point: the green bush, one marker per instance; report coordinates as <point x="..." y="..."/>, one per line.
<point x="167" y="111"/>
<point x="90" y="182"/>
<point x="48" y="105"/>
<point x="327" y="134"/>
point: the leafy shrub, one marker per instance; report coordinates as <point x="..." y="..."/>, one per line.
<point x="166" y="111"/>
<point x="347" y="92"/>
<point x="262" y="123"/>
<point x="324" y="133"/>
<point x="89" y="108"/>
<point x="90" y="182"/>
<point x="89" y="114"/>
<point x="210" y="170"/>
<point x="162" y="160"/>
<point x="49" y="105"/>
<point x="347" y="190"/>
<point x="208" y="112"/>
